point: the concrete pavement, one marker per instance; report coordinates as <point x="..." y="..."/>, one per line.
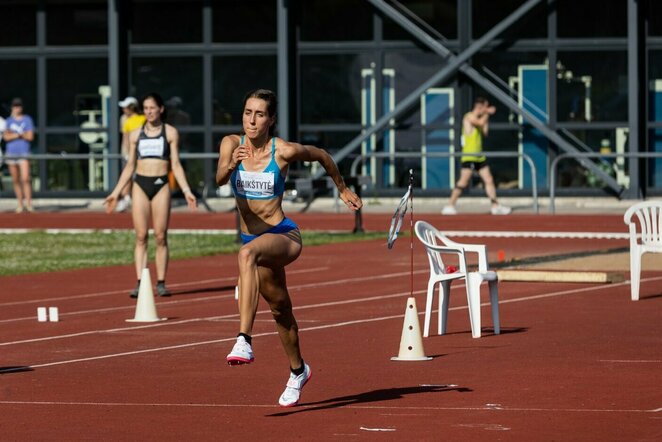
<point x="478" y="205"/>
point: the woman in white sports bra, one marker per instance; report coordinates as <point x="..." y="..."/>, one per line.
<point x="153" y="151"/>
<point x="257" y="164"/>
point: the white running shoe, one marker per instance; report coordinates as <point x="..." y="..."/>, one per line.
<point x="123" y="204"/>
<point x="292" y="393"/>
<point x="449" y="210"/>
<point x="500" y="210"/>
<point x="242" y="353"/>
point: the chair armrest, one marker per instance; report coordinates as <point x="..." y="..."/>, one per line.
<point x="627" y="217"/>
<point x="481" y="250"/>
<point x="459" y="251"/>
<point x="445" y="249"/>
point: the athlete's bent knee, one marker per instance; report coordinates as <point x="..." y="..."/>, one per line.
<point x="281" y="309"/>
<point x="282" y="314"/>
<point x="246" y="256"/>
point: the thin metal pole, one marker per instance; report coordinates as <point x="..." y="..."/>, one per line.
<point x="114" y="82"/>
<point x="411" y="230"/>
<point x="635" y="104"/>
<point x="283" y="70"/>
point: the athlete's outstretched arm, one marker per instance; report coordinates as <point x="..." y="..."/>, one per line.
<point x="298" y="152"/>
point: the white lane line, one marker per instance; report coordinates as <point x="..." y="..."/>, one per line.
<point x="304" y="307"/>
<point x="116" y="330"/>
<point x="176" y="285"/>
<point x="319" y="327"/>
<point x="291" y="288"/>
<point x="55" y="231"/>
<point x="351" y="406"/>
<point x="213" y="318"/>
<point x="186" y="301"/>
<point x="521" y="234"/>
<point x="464" y="233"/>
<point x="125" y="307"/>
<point x="360" y="279"/>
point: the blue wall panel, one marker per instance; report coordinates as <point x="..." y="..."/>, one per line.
<point x="437" y="110"/>
<point x="534" y="90"/>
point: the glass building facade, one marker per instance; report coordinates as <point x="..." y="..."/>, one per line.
<point x="590" y="75"/>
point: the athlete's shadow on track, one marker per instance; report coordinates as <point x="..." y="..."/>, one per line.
<point x="385" y="394"/>
<point x="225" y="288"/>
<point x="15" y="369"/>
<point x="486" y="332"/>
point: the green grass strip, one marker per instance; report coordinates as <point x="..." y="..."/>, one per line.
<point x="38" y="251"/>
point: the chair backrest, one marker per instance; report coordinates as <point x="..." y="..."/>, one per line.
<point x="429" y="235"/>
<point x="649" y="214"/>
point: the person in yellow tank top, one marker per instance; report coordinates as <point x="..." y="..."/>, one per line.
<point x="475" y="126"/>
<point x="131" y="120"/>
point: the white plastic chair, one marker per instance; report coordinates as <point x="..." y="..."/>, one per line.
<point x="437" y="244"/>
<point x="649" y="214"/>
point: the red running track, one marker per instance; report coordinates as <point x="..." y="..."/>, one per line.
<point x="573" y="362"/>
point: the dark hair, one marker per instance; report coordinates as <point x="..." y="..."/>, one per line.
<point x="134" y="108"/>
<point x="480" y="100"/>
<point x="159" y="102"/>
<point x="272" y="103"/>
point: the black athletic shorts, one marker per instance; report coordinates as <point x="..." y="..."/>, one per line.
<point x="474" y="165"/>
<point x="151" y="184"/>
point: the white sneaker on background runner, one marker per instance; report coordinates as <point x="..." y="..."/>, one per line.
<point x="500" y="210"/>
<point x="449" y="210"/>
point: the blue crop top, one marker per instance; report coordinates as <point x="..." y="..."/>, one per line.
<point x="153" y="147"/>
<point x="265" y="185"/>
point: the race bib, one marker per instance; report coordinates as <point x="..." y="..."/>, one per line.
<point x="151" y="147"/>
<point x="255" y="184"/>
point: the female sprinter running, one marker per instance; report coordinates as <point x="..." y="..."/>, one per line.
<point x="256" y="165"/>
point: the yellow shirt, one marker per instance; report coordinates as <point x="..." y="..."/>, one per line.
<point x="473" y="143"/>
<point x="133" y="122"/>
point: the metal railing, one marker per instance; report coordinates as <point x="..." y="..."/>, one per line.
<point x="353" y="171"/>
<point x="102" y="156"/>
<point x="93" y="157"/>
<point x="95" y="178"/>
<point x="534" y="171"/>
<point x="578" y="155"/>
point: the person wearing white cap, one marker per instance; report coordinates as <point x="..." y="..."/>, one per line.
<point x="131" y="120"/>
